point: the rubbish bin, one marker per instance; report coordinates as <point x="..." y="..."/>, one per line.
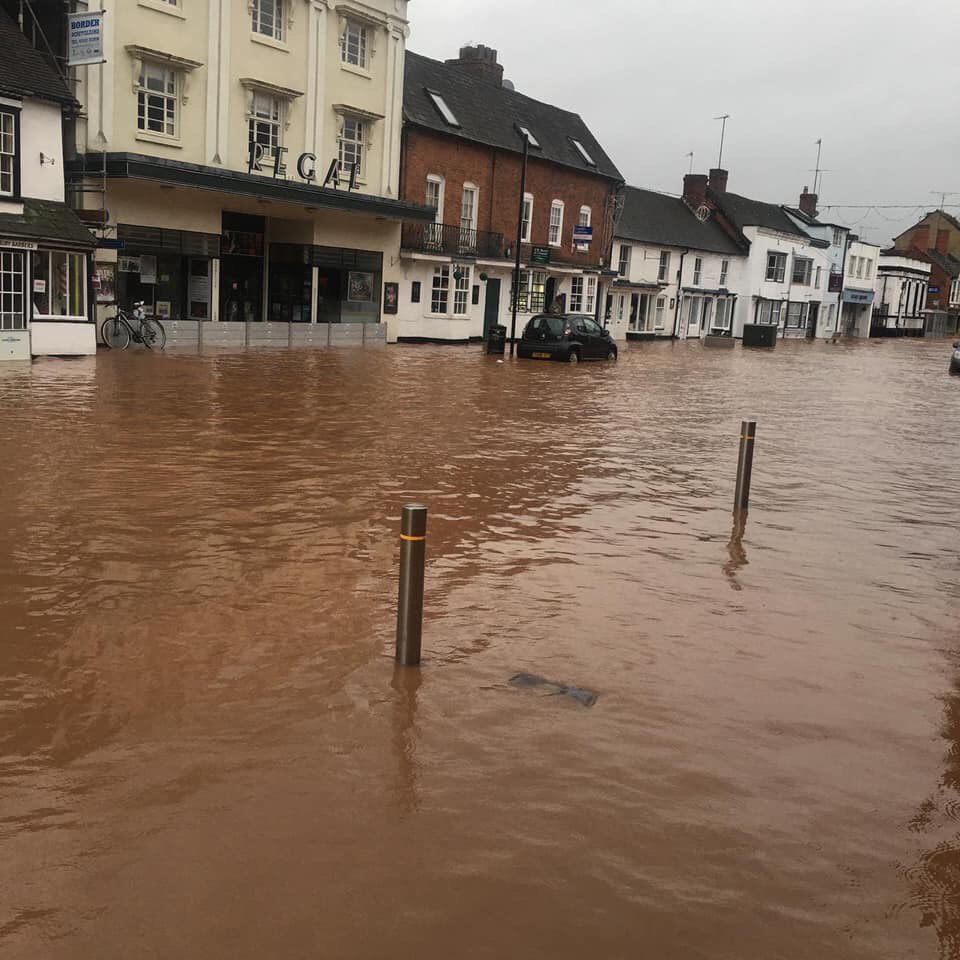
<point x="497" y="340"/>
<point x="760" y="335"/>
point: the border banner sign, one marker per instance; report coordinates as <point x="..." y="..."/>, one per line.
<point x="85" y="43"/>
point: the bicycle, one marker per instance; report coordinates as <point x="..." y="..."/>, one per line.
<point x="117" y="331"/>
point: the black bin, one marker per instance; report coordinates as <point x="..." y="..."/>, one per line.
<point x="760" y="335"/>
<point x="497" y="340"/>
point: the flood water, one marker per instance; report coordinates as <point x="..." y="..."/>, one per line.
<point x="205" y="751"/>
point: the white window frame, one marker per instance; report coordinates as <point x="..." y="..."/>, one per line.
<point x="461" y="292"/>
<point x="658" y="314"/>
<point x="860" y="261"/>
<point x="527" y="218"/>
<point x="868" y="273"/>
<point x="621" y="306"/>
<point x="663" y="271"/>
<point x="268" y="19"/>
<point x="555" y="236"/>
<point x="723" y="314"/>
<point x="470" y="222"/>
<point x="169" y="99"/>
<point x="806" y="264"/>
<point x="623" y="264"/>
<point x="590" y="298"/>
<point x="838" y="237"/>
<point x="576" y="295"/>
<point x="533" y="284"/>
<point x="697" y="271"/>
<point x="440" y="290"/>
<point x="13" y="290"/>
<point x="9" y="151"/>
<point x="776" y="267"/>
<point x="353" y="146"/>
<point x="434" y="179"/>
<point x="724" y="273"/>
<point x="260" y="121"/>
<point x="71" y="261"/>
<point x="818" y="278"/>
<point x="355" y="37"/>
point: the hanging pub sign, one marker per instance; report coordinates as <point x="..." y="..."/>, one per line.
<point x="85" y="38"/>
<point x="540" y="255"/>
<point x="338" y="174"/>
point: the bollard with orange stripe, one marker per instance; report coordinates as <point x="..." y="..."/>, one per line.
<point x="413" y="555"/>
<point x="748" y="438"/>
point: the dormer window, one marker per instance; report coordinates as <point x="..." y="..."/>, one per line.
<point x="531" y="139"/>
<point x="448" y="115"/>
<point x="582" y="150"/>
<point x="9" y="167"/>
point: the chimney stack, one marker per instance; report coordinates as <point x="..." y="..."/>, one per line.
<point x="695" y="190"/>
<point x="718" y="180"/>
<point x="480" y="62"/>
<point x="808" y="203"/>
<point x="943" y="242"/>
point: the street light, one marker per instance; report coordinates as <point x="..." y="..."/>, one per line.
<point x="516" y="268"/>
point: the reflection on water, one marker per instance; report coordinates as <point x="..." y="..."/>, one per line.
<point x="205" y="751"/>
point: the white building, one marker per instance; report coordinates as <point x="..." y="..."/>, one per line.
<point x="901" y="299"/>
<point x="245" y="157"/>
<point x="838" y="239"/>
<point x="676" y="273"/>
<point x="859" y="288"/>
<point x="44" y="249"/>
<point x="787" y="271"/>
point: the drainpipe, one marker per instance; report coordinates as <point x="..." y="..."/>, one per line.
<point x="676" y="313"/>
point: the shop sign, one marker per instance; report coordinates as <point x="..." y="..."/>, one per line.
<point x="338" y="174"/>
<point x="933" y="289"/>
<point x="540" y="255"/>
<point x="582" y="234"/>
<point x="85" y="38"/>
<point x="11" y="244"/>
<point x="105" y="282"/>
<point x="858" y="296"/>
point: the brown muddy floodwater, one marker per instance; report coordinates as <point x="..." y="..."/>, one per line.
<point x="204" y="750"/>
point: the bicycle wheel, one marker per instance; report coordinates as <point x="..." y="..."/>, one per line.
<point x="152" y="333"/>
<point x="116" y="333"/>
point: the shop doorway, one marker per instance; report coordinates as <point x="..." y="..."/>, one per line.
<point x="290" y="283"/>
<point x="329" y="294"/>
<point x="241" y="268"/>
<point x="198" y="289"/>
<point x="491" y="309"/>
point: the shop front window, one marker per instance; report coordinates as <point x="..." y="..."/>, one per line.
<point x="12" y="313"/>
<point x="59" y="285"/>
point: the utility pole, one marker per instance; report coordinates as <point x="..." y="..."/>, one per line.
<point x="723" y="134"/>
<point x="516" y="266"/>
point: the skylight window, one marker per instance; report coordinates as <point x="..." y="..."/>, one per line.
<point x="525" y="131"/>
<point x="582" y="150"/>
<point x="448" y="115"/>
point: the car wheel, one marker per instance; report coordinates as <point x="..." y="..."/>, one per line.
<point x="611" y="354"/>
<point x="573" y="356"/>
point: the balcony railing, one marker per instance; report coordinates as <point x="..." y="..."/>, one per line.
<point x="451" y="241"/>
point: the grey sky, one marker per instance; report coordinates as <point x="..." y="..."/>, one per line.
<point x="879" y="80"/>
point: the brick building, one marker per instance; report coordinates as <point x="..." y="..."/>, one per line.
<point x="936" y="240"/>
<point x="461" y="153"/>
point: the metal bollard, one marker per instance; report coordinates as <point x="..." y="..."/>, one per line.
<point x="748" y="436"/>
<point x="413" y="554"/>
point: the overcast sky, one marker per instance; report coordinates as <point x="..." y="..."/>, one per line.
<point x="878" y="80"/>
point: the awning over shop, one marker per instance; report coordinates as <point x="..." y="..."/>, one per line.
<point x="46" y="222"/>
<point x="136" y="166"/>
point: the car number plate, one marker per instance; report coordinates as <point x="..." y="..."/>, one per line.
<point x="542" y="356"/>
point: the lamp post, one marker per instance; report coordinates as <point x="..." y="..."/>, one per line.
<point x="516" y="267"/>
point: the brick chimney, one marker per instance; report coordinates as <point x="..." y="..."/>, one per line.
<point x="695" y="190"/>
<point x="943" y="242"/>
<point x="808" y="203"/>
<point x="480" y="62"/>
<point x="920" y="239"/>
<point x="718" y="180"/>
